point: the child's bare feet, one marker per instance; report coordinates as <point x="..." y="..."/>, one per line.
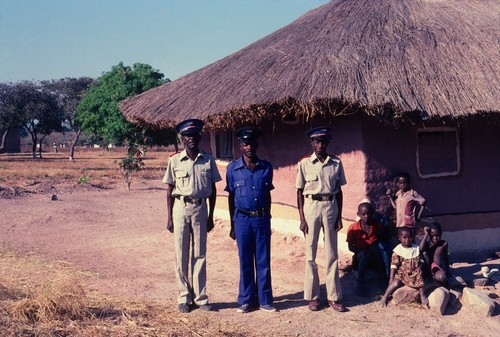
<point x="425" y="301"/>
<point x="383" y="302"/>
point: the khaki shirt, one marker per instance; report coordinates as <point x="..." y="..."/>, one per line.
<point x="193" y="178"/>
<point x="315" y="177"/>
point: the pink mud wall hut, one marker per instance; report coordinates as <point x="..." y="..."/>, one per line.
<point x="455" y="166"/>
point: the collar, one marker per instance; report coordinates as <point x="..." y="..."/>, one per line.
<point x="407" y="253"/>
<point x="240" y="163"/>
<point x="184" y="156"/>
<point x="314" y="158"/>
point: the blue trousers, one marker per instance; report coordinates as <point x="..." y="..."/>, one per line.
<point x="253" y="235"/>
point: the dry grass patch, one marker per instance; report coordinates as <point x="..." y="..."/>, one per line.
<point x="42" y="298"/>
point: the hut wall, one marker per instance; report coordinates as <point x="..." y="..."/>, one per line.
<point x="467" y="200"/>
<point x="285" y="145"/>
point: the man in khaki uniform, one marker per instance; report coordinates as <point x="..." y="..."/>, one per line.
<point x="190" y="177"/>
<point x="319" y="198"/>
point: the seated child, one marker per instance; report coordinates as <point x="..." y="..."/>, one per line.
<point x="362" y="240"/>
<point x="405" y="202"/>
<point x="435" y="253"/>
<point x="405" y="269"/>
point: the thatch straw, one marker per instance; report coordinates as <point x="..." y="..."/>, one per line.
<point x="389" y="57"/>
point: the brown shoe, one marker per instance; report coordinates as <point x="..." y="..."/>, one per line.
<point x="336" y="306"/>
<point x="313" y="305"/>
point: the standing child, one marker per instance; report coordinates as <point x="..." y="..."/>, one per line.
<point x="405" y="202"/>
<point x="405" y="269"/>
<point x="435" y="253"/>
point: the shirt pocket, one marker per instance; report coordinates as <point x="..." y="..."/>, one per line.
<point x="240" y="189"/>
<point x="311" y="181"/>
<point x="205" y="178"/>
<point x="181" y="178"/>
<point x="333" y="176"/>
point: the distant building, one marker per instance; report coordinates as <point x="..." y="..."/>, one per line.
<point x="12" y="142"/>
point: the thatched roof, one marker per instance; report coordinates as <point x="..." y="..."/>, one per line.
<point x="388" y="57"/>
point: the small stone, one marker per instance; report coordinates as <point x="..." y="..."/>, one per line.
<point x="480" y="282"/>
<point x="456" y="282"/>
<point x="438" y="299"/>
<point x="405" y="295"/>
<point x="54" y="197"/>
<point x="455" y="297"/>
<point x="478" y="302"/>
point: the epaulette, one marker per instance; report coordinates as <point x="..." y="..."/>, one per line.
<point x="234" y="161"/>
<point x="173" y="154"/>
<point x="306" y="156"/>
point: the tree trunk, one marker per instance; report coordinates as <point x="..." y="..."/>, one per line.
<point x="4" y="137"/>
<point x="34" y="139"/>
<point x="73" y="145"/>
<point x="40" y="147"/>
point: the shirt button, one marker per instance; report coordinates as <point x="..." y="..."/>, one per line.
<point x="255" y="199"/>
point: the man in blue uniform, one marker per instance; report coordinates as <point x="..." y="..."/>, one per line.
<point x="190" y="177"/>
<point x="249" y="183"/>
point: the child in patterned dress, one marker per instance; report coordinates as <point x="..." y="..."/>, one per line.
<point x="405" y="269"/>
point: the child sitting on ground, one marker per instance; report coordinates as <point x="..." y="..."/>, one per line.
<point x="405" y="269"/>
<point x="363" y="240"/>
<point x="405" y="202"/>
<point x="435" y="253"/>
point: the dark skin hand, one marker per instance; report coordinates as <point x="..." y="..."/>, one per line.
<point x="211" y="208"/>
<point x="170" y="205"/>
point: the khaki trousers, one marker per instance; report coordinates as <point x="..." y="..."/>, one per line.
<point x="321" y="215"/>
<point x="190" y="235"/>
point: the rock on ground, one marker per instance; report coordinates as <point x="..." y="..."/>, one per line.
<point x="478" y="302"/>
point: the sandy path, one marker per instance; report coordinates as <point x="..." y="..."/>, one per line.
<point x="120" y="238"/>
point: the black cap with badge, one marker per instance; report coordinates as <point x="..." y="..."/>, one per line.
<point x="248" y="134"/>
<point x="320" y="133"/>
<point x="189" y="127"/>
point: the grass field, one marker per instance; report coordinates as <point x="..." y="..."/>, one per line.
<point x="94" y="164"/>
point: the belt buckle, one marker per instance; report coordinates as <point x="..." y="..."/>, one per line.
<point x="325" y="198"/>
<point x="254" y="213"/>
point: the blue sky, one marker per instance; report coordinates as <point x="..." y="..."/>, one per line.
<point x="51" y="39"/>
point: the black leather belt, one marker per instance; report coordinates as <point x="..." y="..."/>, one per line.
<point x="189" y="199"/>
<point x="258" y="212"/>
<point x="321" y="197"/>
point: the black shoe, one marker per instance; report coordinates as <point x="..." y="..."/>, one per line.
<point x="268" y="308"/>
<point x="184" y="308"/>
<point x="206" y="307"/>
<point x="244" y="308"/>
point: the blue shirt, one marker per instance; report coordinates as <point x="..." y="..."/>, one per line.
<point x="250" y="188"/>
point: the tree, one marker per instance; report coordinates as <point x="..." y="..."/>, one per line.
<point x="98" y="111"/>
<point x="70" y="92"/>
<point x="8" y="118"/>
<point x="41" y="115"/>
<point x="27" y="104"/>
<point x="132" y="163"/>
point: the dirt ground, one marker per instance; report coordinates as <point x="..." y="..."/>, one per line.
<point x="119" y="238"/>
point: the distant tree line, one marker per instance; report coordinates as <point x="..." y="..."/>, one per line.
<point x="82" y="105"/>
